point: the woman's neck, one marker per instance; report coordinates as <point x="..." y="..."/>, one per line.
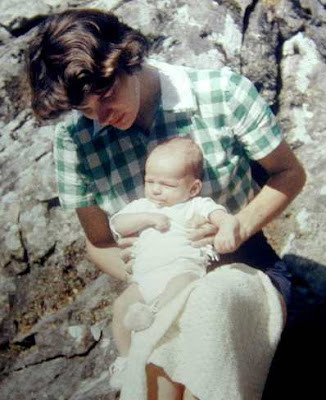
<point x="150" y="93"/>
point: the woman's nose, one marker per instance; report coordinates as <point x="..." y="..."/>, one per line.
<point x="103" y="114"/>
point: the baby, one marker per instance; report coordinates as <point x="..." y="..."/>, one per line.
<point x="165" y="262"/>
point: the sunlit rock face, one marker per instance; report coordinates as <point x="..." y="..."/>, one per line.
<point x="55" y="308"/>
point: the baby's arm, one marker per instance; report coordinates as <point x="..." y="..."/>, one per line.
<point x="132" y="223"/>
<point x="227" y="238"/>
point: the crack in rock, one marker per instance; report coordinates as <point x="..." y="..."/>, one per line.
<point x="25" y="25"/>
<point x="279" y="57"/>
<point x="246" y="18"/>
<point x="58" y="357"/>
<point x="51" y="203"/>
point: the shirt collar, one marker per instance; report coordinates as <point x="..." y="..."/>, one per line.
<point x="177" y="94"/>
<point x="176" y="91"/>
<point x="97" y="127"/>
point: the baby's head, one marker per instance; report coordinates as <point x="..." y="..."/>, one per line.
<point x="173" y="172"/>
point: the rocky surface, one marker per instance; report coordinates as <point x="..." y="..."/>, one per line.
<point x="55" y="308"/>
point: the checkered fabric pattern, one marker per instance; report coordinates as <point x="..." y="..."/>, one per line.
<point x="220" y="109"/>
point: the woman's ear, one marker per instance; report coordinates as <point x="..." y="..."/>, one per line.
<point x="196" y="188"/>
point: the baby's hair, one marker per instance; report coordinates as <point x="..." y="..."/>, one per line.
<point x="188" y="152"/>
<point x="77" y="53"/>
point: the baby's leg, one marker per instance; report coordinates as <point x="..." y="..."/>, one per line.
<point x="174" y="287"/>
<point x="121" y="334"/>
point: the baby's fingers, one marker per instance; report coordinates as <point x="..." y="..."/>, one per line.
<point x="203" y="242"/>
<point x="163" y="225"/>
<point x="126" y="254"/>
<point x="129" y="265"/>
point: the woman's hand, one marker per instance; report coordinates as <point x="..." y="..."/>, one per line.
<point x="200" y="231"/>
<point x="225" y="238"/>
<point x="228" y="237"/>
<point x="125" y="244"/>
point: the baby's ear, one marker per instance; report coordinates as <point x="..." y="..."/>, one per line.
<point x="196" y="188"/>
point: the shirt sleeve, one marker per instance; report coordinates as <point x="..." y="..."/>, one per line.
<point x="135" y="206"/>
<point x="252" y="120"/>
<point x="206" y="205"/>
<point x="75" y="190"/>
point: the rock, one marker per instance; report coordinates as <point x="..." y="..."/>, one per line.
<point x="261" y="34"/>
<point x="301" y="116"/>
<point x="55" y="307"/>
<point x="213" y="34"/>
<point x="4" y="35"/>
<point x="14" y="90"/>
<point x="72" y="330"/>
<point x="14" y="12"/>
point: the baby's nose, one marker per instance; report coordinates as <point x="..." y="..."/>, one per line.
<point x="156" y="188"/>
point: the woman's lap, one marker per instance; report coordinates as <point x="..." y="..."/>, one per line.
<point x="227" y="333"/>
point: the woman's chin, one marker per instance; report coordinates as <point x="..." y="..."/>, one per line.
<point x="125" y="124"/>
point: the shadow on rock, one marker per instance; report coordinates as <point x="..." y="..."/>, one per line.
<point x="296" y="371"/>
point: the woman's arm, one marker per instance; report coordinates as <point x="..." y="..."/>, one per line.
<point x="286" y="179"/>
<point x="100" y="245"/>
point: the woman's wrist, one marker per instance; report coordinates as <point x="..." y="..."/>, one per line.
<point x="246" y="229"/>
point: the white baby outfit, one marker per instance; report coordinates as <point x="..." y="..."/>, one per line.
<point x="161" y="256"/>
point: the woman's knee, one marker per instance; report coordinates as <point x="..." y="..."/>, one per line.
<point x="160" y="386"/>
<point x="231" y="284"/>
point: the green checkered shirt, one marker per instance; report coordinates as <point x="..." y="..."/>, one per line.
<point x="221" y="110"/>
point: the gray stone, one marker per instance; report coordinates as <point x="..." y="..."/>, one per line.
<point x="213" y="34"/>
<point x="55" y="307"/>
<point x="261" y="37"/>
<point x="4" y="35"/>
<point x="13" y="12"/>
<point x="7" y="291"/>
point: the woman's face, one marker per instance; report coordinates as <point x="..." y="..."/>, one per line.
<point x="119" y="106"/>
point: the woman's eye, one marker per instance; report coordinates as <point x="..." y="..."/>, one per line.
<point x="110" y="95"/>
<point x="107" y="99"/>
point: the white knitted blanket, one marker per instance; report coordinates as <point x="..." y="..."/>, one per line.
<point x="218" y="342"/>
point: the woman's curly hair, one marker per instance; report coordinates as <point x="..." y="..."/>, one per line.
<point x="80" y="52"/>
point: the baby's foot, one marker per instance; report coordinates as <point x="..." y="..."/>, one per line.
<point x="117" y="371"/>
<point x="139" y="317"/>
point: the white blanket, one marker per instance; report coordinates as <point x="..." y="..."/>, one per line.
<point x="216" y="341"/>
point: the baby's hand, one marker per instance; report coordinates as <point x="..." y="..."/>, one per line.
<point x="227" y="238"/>
<point x="160" y="222"/>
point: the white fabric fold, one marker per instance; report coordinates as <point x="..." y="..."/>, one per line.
<point x="218" y="342"/>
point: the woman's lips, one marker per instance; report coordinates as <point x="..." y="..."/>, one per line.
<point x="118" y="120"/>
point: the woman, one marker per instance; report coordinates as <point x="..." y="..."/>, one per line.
<point x="88" y="61"/>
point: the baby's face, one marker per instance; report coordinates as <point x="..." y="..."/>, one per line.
<point x="166" y="181"/>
